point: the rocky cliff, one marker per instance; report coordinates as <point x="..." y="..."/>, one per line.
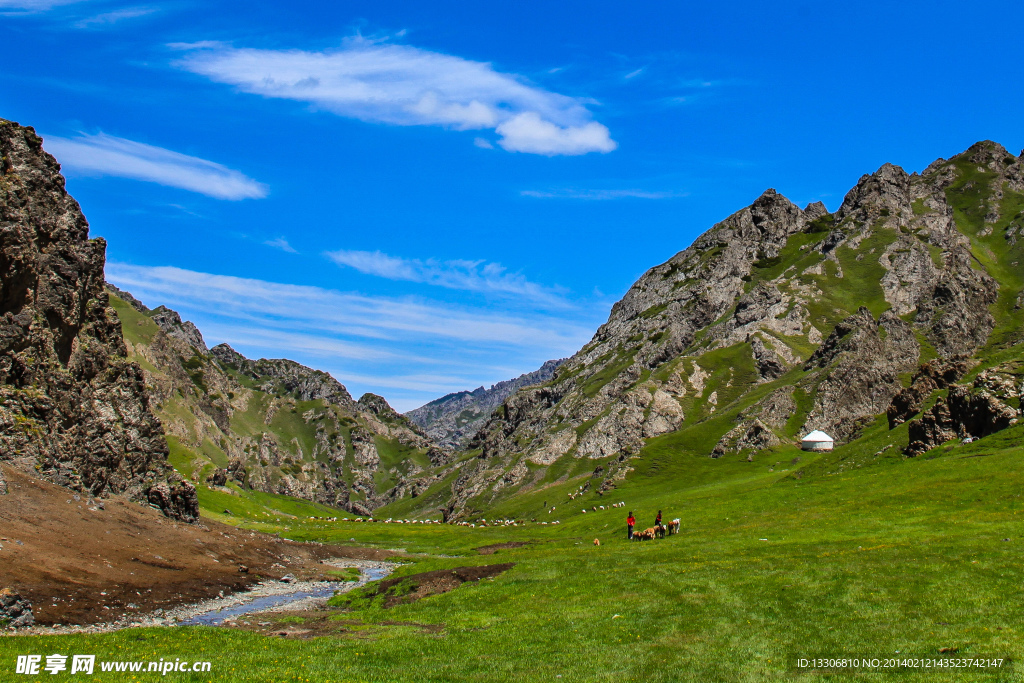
<point x="780" y="320"/>
<point x="272" y="425"/>
<point x="71" y="403"/>
<point x="454" y="419"/>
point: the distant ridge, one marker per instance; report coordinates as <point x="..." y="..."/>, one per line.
<point x="454" y="419"/>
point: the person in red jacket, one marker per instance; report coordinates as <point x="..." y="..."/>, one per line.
<point x="630" y="523"/>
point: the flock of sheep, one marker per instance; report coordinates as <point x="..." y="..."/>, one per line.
<point x="602" y="507"/>
<point x="389" y="520"/>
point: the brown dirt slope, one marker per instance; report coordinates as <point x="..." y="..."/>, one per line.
<point x="78" y="564"/>
<point x="406" y="589"/>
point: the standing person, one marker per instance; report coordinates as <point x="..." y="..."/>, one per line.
<point x="630" y="522"/>
<point x="657" y="522"/>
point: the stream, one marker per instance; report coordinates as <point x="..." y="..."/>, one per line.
<point x="306" y="590"/>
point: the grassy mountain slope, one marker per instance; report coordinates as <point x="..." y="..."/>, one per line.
<point x="780" y="320"/>
<point x="253" y="428"/>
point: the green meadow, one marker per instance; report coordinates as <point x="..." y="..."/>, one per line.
<point x="882" y="556"/>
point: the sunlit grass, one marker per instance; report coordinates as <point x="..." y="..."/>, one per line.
<point x="901" y="554"/>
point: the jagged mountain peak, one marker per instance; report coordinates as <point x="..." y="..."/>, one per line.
<point x="378" y="405"/>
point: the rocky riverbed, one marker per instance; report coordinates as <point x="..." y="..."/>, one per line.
<point x="266" y="596"/>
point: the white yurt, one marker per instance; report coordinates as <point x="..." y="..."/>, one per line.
<point x="817" y="441"/>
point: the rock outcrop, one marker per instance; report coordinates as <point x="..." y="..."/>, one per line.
<point x="70" y="400"/>
<point x="932" y="376"/>
<point x="969" y="411"/>
<point x="171" y="323"/>
<point x="861" y="362"/>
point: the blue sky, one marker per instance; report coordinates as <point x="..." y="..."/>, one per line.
<point x="427" y="197"/>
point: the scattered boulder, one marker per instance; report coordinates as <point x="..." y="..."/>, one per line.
<point x="15" y="611"/>
<point x="176" y="498"/>
<point x="359" y="509"/>
<point x="218" y="478"/>
<point x="237" y="472"/>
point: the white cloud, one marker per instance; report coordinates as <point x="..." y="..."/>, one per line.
<point x="528" y="132"/>
<point x="282" y="244"/>
<point x="474" y="276"/>
<point x="404" y="85"/>
<point x="109" y="18"/>
<point x="600" y="195"/>
<point x="108" y="155"/>
<point x="483" y="143"/>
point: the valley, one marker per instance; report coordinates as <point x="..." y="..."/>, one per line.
<point x="894" y="324"/>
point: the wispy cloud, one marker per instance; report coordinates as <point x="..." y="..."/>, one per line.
<point x="405" y="85"/>
<point x="600" y="195"/>
<point x="106" y="19"/>
<point x="32" y="5"/>
<point x="419" y="349"/>
<point x="298" y="307"/>
<point x="282" y="244"/>
<point x="474" y="276"/>
<point x="112" y="156"/>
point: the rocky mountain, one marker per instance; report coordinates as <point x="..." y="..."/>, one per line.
<point x="454" y="419"/>
<point x="782" y="319"/>
<point x="72" y="405"/>
<point x="272" y="425"/>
